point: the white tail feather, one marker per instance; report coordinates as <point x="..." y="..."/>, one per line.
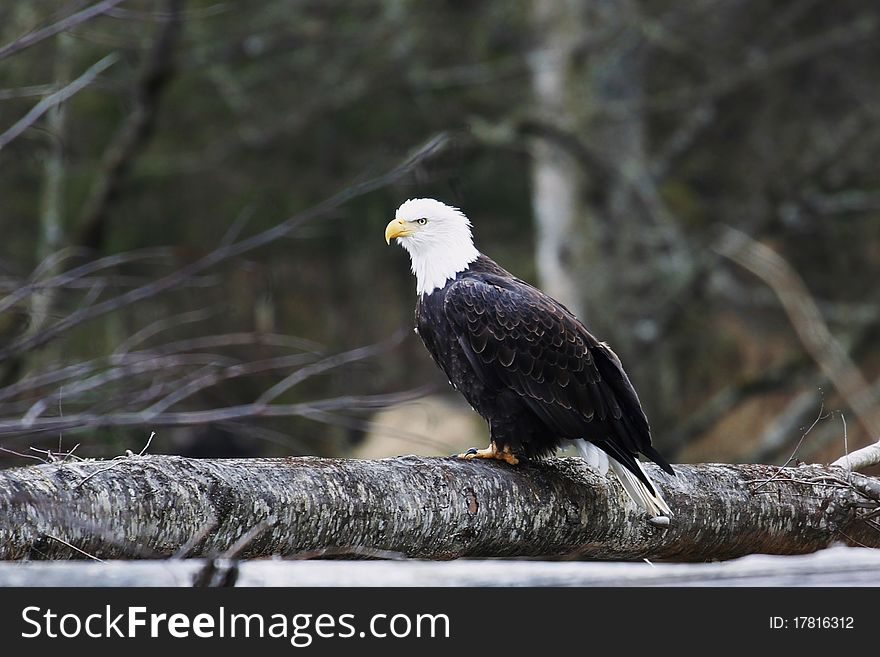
<point x="595" y="457"/>
<point x="652" y="503"/>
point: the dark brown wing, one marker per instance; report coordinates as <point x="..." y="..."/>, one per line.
<point x="517" y="337"/>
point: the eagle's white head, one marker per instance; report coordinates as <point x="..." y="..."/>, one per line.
<point x="438" y="239"/>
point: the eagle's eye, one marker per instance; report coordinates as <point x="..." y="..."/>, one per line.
<point x="422" y="221"/>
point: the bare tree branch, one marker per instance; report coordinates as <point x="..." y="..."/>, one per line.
<point x="758" y="66"/>
<point x="725" y="400"/>
<point x="134" y="132"/>
<point x="145" y="384"/>
<point x="92" y="420"/>
<point x="54" y="99"/>
<point x="361" y="424"/>
<point x="190" y="14"/>
<point x="49" y="31"/>
<point x="432" y="147"/>
<point x="325" y="365"/>
<point x="807" y="321"/>
<point x="860" y="459"/>
<point x="160" y="325"/>
<point x="233" y="339"/>
<point x="27" y="92"/>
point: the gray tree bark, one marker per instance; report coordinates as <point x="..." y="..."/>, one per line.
<point x="431" y="508"/>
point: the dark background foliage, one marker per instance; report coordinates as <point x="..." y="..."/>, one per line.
<point x="663" y="123"/>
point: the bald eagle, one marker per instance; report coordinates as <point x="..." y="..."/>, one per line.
<point x="520" y="358"/>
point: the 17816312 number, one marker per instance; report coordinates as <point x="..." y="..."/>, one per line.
<point x="812" y="623"/>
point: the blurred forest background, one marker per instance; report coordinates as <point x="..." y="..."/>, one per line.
<point x="193" y="196"/>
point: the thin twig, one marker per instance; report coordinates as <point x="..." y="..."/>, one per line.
<point x="79" y="421"/>
<point x="66" y="23"/>
<point x="60" y="414"/>
<point x="160" y="325"/>
<point x="234" y="340"/>
<point x="127" y="369"/>
<point x="325" y="365"/>
<point x="59" y="96"/>
<point x="70" y="276"/>
<point x="805" y="317"/>
<point x="117" y="460"/>
<point x="798" y="446"/>
<point x="429" y="149"/>
<point x="24" y="456"/>
<point x="49" y="458"/>
<point x="238" y="225"/>
<point x="73" y="547"/>
<point x="851" y="539"/>
<point x="790" y="480"/>
<point x="26" y="92"/>
<point x="71" y="454"/>
<point x="146" y="447"/>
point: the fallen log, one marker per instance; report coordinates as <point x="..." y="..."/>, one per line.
<point x="427" y="508"/>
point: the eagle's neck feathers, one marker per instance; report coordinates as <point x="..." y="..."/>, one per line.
<point x="434" y="269"/>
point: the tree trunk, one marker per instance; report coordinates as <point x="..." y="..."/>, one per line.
<point x="567" y="227"/>
<point x="432" y="508"/>
<point x="598" y="238"/>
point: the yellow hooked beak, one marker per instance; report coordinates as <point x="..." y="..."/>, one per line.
<point x="396" y="228"/>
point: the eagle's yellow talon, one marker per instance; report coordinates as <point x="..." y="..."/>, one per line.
<point x="491" y="452"/>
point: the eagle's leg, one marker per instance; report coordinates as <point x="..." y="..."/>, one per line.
<point x="491" y="452"/>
